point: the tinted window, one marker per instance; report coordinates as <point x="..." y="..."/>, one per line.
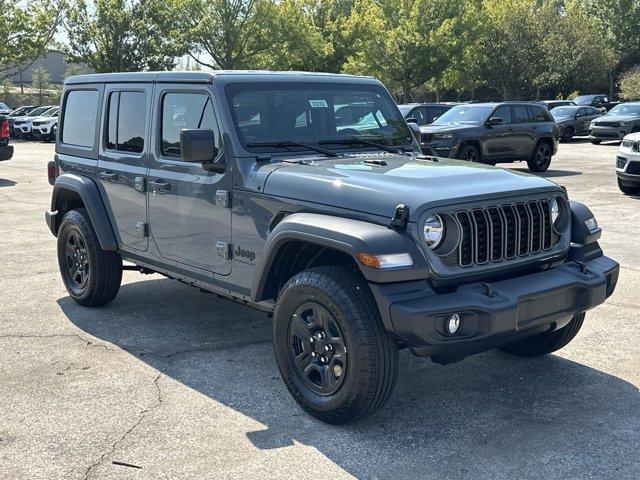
<point x="464" y="114"/>
<point x="184" y="110"/>
<point x="540" y="114"/>
<point x="520" y="114"/>
<point x="433" y="113"/>
<point x="127" y="113"/>
<point x="79" y="123"/>
<point x="419" y="115"/>
<point x="504" y="113"/>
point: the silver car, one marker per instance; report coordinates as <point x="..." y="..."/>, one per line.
<point x="618" y="122"/>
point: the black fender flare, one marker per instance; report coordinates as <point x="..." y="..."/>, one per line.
<point x="580" y="233"/>
<point x="88" y="192"/>
<point x="345" y="235"/>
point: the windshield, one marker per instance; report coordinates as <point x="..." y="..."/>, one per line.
<point x="50" y="112"/>
<point x="625" y="110"/>
<point x="464" y="114"/>
<point x="583" y="99"/>
<point x="38" y="111"/>
<point x="563" y="112"/>
<point x="314" y="114"/>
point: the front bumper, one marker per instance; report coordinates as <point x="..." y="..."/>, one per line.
<point x="493" y="314"/>
<point x="444" y="149"/>
<point x="607" y="133"/>
<point x="41" y="132"/>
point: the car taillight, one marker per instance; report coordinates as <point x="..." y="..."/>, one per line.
<point x="52" y="172"/>
<point x="4" y="128"/>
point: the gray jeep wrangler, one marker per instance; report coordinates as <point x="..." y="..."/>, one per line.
<point x="307" y="196"/>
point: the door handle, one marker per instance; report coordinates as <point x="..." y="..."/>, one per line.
<point x="160" y="186"/>
<point x="108" y="176"/>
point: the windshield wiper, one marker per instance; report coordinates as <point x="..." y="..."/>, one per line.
<point x="357" y="140"/>
<point x="291" y="143"/>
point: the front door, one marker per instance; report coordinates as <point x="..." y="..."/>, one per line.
<point x="122" y="160"/>
<point x="187" y="225"/>
<point x="499" y="138"/>
<point x="524" y="132"/>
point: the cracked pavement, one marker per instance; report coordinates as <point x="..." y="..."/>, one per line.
<point x="167" y="382"/>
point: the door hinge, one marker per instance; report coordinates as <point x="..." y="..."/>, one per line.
<point x="139" y="184"/>
<point x="224" y="250"/>
<point x="143" y="229"/>
<point x="223" y="198"/>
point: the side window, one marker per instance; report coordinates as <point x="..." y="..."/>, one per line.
<point x="504" y="113"/>
<point x="520" y="114"/>
<point x="126" y="121"/>
<point x="419" y="115"/>
<point x="539" y="114"/>
<point x="80" y="114"/>
<point x="581" y="112"/>
<point x="184" y="110"/>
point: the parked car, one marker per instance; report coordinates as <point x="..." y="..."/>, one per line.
<point x="242" y="184"/>
<point x="555" y="103"/>
<point x="6" y="150"/>
<point x="616" y="124"/>
<point x="599" y="101"/>
<point x="19" y="112"/>
<point x="574" y="120"/>
<point x="424" y="113"/>
<point x="22" y="124"/>
<point x="494" y="133"/>
<point x="4" y="109"/>
<point x="44" y="127"/>
<point x="628" y="164"/>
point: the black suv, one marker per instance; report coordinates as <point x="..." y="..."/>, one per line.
<point x="494" y="133"/>
<point x="306" y="196"/>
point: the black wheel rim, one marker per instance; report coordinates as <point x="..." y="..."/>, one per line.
<point x="544" y="156"/>
<point x="568" y="135"/>
<point x="470" y="155"/>
<point x="77" y="260"/>
<point x="317" y="349"/>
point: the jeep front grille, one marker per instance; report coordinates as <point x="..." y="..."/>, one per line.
<point x="504" y="232"/>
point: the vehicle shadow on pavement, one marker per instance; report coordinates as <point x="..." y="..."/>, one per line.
<point x="552" y="173"/>
<point x="5" y="182"/>
<point x="489" y="416"/>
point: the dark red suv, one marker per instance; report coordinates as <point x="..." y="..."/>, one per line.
<point x="6" y="150"/>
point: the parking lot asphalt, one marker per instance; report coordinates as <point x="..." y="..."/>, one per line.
<point x="167" y="382"/>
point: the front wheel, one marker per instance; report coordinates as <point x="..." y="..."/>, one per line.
<point x="469" y="153"/>
<point x="332" y="350"/>
<point x="541" y="158"/>
<point x="91" y="275"/>
<point x="546" y="342"/>
<point x="567" y="136"/>
<point x="596" y="141"/>
<point x="626" y="189"/>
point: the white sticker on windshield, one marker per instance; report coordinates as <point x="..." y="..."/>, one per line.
<point x="318" y="104"/>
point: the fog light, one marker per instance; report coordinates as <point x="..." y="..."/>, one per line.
<point x="453" y="323"/>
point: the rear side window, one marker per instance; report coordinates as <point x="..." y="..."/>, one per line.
<point x="126" y="124"/>
<point x="520" y="114"/>
<point x="184" y="110"/>
<point x="540" y="114"/>
<point x="80" y="114"/>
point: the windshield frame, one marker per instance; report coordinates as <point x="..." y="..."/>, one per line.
<point x="233" y="88"/>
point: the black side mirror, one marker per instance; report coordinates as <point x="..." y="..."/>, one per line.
<point x="199" y="146"/>
<point x="495" y="121"/>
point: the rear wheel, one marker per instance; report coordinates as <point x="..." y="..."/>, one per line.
<point x="469" y="153"/>
<point x="547" y="342"/>
<point x="628" y="190"/>
<point x="332" y="350"/>
<point x="91" y="275"/>
<point x="541" y="158"/>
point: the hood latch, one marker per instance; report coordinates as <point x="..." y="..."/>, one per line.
<point x="400" y="217"/>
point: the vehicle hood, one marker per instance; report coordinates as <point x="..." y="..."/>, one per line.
<point x="617" y="118"/>
<point x="351" y="183"/>
<point x="43" y="119"/>
<point x="633" y="137"/>
<point x="452" y="127"/>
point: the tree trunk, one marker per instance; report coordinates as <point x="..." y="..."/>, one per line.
<point x="611" y="84"/>
<point x="406" y="90"/>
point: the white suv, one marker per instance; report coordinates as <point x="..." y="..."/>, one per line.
<point x="628" y="164"/>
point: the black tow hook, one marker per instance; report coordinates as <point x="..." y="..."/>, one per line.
<point x="488" y="289"/>
<point x="583" y="267"/>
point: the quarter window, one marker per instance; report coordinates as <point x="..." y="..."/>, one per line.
<point x="79" y="122"/>
<point x="126" y="127"/>
<point x="185" y="110"/>
<point x="540" y="114"/>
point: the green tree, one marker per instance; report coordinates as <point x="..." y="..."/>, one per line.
<point x="7" y="87"/>
<point x="630" y="84"/>
<point x="26" y="28"/>
<point x="40" y="82"/>
<point x="122" y="35"/>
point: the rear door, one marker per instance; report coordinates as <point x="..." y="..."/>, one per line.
<point x="583" y="119"/>
<point x="189" y="207"/>
<point x="123" y="158"/>
<point x="524" y="132"/>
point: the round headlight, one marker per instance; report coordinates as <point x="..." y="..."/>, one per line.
<point x="433" y="231"/>
<point x="555" y="210"/>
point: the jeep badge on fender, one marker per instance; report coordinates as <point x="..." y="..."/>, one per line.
<point x="355" y="242"/>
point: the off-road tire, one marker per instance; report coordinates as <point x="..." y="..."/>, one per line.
<point x="104" y="271"/>
<point x="547" y="342"/>
<point x="371" y="354"/>
<point x="627" y="190"/>
<point x="538" y="164"/>
<point x="567" y="137"/>
<point x="596" y="142"/>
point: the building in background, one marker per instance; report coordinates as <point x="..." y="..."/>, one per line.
<point x="55" y="65"/>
